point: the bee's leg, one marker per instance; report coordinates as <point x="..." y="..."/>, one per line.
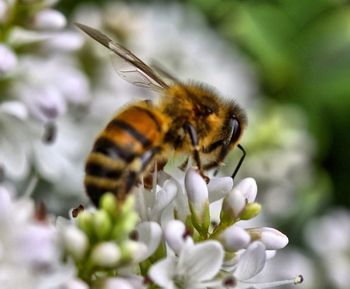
<point x="222" y="156"/>
<point x="137" y="166"/>
<point x="184" y="164"/>
<point x="195" y="149"/>
<point x="148" y="178"/>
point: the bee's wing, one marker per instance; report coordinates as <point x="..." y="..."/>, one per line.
<point x="134" y="75"/>
<point x="139" y="73"/>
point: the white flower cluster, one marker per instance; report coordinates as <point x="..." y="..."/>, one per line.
<point x="30" y="254"/>
<point x="40" y="83"/>
<point x="333" y="229"/>
<point x="177" y="242"/>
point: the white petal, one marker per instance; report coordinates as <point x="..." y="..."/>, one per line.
<point x="201" y="262"/>
<point x="248" y="188"/>
<point x="163" y="199"/>
<point x="150" y="234"/>
<point x="162" y="273"/>
<point x="251" y="262"/>
<point x="219" y="187"/>
<point x="174" y="234"/>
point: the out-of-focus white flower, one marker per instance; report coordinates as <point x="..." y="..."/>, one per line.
<point x="8" y="59"/>
<point x="195" y="267"/>
<point x="49" y="19"/>
<point x="14" y="146"/>
<point x="64" y="41"/>
<point x="30" y="256"/>
<point x="329" y="237"/>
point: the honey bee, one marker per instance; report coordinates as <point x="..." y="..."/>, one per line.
<point x="190" y="118"/>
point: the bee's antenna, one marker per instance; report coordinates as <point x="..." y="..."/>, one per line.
<point x="240" y="161"/>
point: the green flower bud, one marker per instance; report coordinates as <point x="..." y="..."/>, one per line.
<point x="251" y="210"/>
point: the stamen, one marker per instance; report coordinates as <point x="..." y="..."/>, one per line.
<point x="31" y="186"/>
<point x="297" y="280"/>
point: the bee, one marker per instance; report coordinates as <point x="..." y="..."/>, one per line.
<point x="189" y="118"/>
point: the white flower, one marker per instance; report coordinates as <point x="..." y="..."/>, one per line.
<point x="329" y="237"/>
<point x="49" y="19"/>
<point x="30" y="256"/>
<point x="195" y="267"/>
<point x="8" y="59"/>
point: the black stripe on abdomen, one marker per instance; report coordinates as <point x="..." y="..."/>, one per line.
<point x="109" y="148"/>
<point x="152" y="116"/>
<point x="131" y="131"/>
<point x="100" y="170"/>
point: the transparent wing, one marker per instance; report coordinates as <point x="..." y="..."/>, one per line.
<point x="134" y="75"/>
<point x="139" y="73"/>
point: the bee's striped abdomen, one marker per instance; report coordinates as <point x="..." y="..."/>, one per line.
<point x="122" y="151"/>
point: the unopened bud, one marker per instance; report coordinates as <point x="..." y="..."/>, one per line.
<point x="106" y="254"/>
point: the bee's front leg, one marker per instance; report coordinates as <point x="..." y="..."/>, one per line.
<point x="195" y="149"/>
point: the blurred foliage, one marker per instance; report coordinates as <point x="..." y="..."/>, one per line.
<point x="301" y="52"/>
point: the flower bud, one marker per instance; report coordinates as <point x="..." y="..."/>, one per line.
<point x="248" y="188"/>
<point x="49" y="19"/>
<point x="219" y="187"/>
<point x="270" y="237"/>
<point x="102" y="224"/>
<point x="133" y="251"/>
<point x="234" y="204"/>
<point x="196" y="189"/>
<point x="106" y="254"/>
<point x="85" y="222"/>
<point x="250" y="211"/>
<point x="234" y="238"/>
<point x="75" y="242"/>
